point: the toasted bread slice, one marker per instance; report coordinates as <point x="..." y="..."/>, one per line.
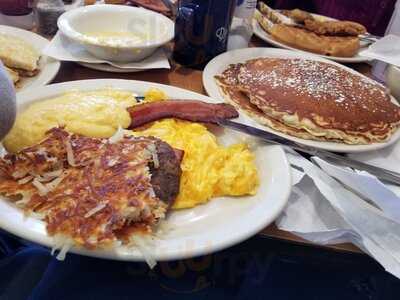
<point x="13" y="75"/>
<point x="18" y="54"/>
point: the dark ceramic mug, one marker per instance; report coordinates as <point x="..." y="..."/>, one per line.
<point x="16" y="7"/>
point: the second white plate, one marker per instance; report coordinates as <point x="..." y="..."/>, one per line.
<point x="258" y="31"/>
<point x="48" y="66"/>
<point x="206" y="228"/>
<point x="221" y="63"/>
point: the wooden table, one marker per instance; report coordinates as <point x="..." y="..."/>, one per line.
<point x="189" y="79"/>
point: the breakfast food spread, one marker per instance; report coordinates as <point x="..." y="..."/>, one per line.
<point x="311" y="100"/>
<point x="93" y="192"/>
<point x="299" y="29"/>
<point x="19" y="56"/>
<point x="96" y="185"/>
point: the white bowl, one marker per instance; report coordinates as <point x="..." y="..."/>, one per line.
<point x="77" y="24"/>
<point x="393" y="81"/>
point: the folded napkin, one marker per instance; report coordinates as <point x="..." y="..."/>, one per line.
<point x="388" y="158"/>
<point x="367" y="186"/>
<point x="324" y="211"/>
<point x="62" y="48"/>
<point x="386" y="49"/>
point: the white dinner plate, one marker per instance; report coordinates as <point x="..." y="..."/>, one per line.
<point x="48" y="66"/>
<point x="207" y="228"/>
<point x="262" y="34"/>
<point x="221" y="63"/>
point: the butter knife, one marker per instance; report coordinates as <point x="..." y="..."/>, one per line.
<point x="380" y="173"/>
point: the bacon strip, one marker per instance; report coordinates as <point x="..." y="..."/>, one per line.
<point x="190" y="110"/>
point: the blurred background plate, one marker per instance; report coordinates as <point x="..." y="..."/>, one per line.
<point x="262" y="34"/>
<point x="48" y="67"/>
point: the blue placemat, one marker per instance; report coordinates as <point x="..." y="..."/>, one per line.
<point x="256" y="269"/>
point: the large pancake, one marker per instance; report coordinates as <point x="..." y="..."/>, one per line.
<point x="240" y="100"/>
<point x="321" y="101"/>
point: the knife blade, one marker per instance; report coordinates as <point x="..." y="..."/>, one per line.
<point x="383" y="174"/>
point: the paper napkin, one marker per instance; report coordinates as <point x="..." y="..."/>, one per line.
<point x="61" y="48"/>
<point x="367" y="186"/>
<point x="386" y="49"/>
<point x="323" y="211"/>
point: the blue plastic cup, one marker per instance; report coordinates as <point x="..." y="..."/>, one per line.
<point x="201" y="30"/>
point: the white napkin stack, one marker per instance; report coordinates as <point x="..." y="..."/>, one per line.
<point x="386" y="49"/>
<point x="61" y="48"/>
<point x="365" y="213"/>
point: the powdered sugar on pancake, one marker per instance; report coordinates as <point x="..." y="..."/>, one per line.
<point x="319" y="97"/>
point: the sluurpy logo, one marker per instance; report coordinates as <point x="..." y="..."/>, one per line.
<point x="196" y="275"/>
<point x="179" y="277"/>
<point x="221" y="33"/>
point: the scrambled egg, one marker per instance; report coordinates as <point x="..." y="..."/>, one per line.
<point x="95" y="114"/>
<point x="154" y="95"/>
<point x="209" y="170"/>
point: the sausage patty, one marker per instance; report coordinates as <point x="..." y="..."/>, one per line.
<point x="166" y="177"/>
